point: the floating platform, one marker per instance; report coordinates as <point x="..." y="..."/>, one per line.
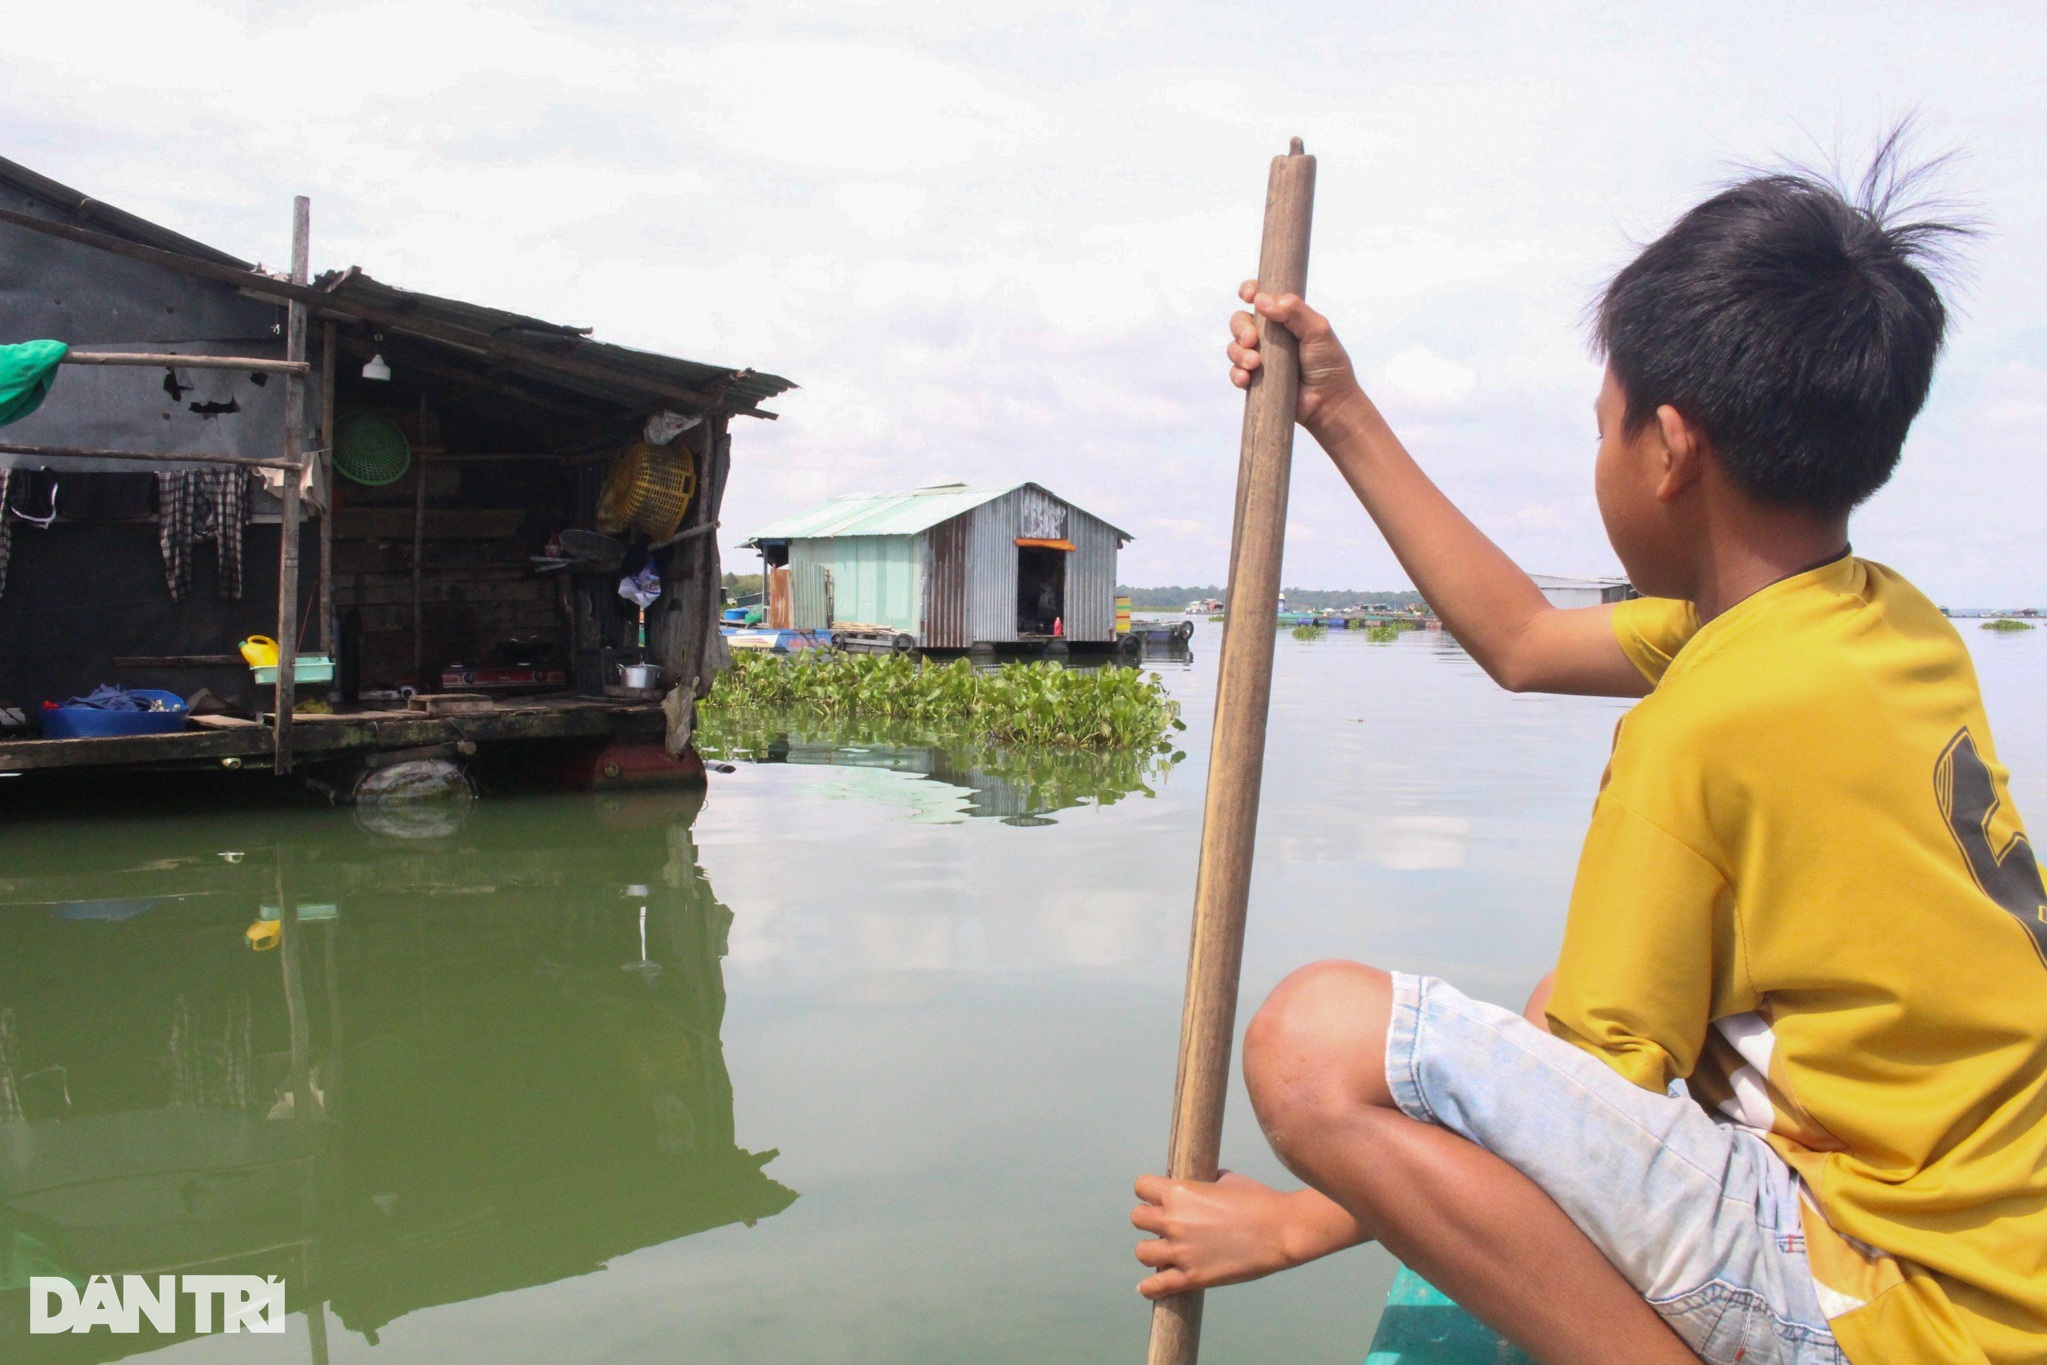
<point x="225" y="741"/>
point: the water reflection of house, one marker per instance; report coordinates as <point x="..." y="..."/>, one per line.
<point x="947" y="567"/>
<point x="1020" y="787"/>
<point x="472" y="1079"/>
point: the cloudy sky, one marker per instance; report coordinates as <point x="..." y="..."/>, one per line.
<point x="1000" y="242"/>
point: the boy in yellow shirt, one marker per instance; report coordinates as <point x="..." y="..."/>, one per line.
<point x="1788" y="1098"/>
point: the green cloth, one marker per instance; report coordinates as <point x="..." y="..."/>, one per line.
<point x="26" y="373"/>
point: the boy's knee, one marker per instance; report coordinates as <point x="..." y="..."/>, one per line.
<point x="1316" y="1049"/>
<point x="1535" y="1011"/>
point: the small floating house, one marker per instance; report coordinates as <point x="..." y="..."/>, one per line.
<point x="1582" y="592"/>
<point x="948" y="566"/>
<point x="423" y="495"/>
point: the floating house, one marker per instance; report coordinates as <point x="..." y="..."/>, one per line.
<point x="946" y="566"/>
<point x="1582" y="592"/>
<point x="412" y="492"/>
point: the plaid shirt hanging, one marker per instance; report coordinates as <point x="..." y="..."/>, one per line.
<point x="201" y="504"/>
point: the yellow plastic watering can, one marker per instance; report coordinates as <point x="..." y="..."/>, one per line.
<point x="260" y="651"/>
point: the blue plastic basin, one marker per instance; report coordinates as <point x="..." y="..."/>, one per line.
<point x="90" y="722"/>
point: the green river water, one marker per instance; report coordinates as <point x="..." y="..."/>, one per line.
<point x="852" y="1059"/>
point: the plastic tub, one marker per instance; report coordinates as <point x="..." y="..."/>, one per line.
<point x="90" y="722"/>
<point x="311" y="668"/>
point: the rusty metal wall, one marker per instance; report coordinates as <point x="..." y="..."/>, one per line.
<point x="991" y="569"/>
<point x="945" y="548"/>
<point x="1090" y="580"/>
<point x="1039" y="515"/>
<point x="992" y="534"/>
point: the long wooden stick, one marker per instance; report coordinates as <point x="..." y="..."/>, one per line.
<point x="325" y="455"/>
<point x="294" y="451"/>
<point x="186" y="362"/>
<point x="1237" y="758"/>
<point x="418" y="551"/>
<point x="38" y="453"/>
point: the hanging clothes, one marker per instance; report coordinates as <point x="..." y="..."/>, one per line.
<point x="26" y="373"/>
<point x="201" y="504"/>
<point x="35" y="490"/>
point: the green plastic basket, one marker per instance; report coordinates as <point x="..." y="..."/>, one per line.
<point x="370" y="450"/>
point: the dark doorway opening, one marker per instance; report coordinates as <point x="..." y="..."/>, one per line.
<point x="1040" y="589"/>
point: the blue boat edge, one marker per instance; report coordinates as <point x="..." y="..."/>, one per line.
<point x="1424" y="1326"/>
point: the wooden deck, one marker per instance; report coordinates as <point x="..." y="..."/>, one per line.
<point x="316" y="737"/>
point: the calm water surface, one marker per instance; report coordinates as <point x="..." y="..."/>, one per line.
<point x="851" y="1061"/>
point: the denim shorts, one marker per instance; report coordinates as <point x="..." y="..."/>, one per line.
<point x="1699" y="1215"/>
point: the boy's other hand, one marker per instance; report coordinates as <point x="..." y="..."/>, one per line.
<point x="1208" y="1234"/>
<point x="1327" y="380"/>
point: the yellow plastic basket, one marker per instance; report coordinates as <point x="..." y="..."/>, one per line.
<point x="647" y="489"/>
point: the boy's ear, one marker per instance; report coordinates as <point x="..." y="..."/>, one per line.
<point x="1680" y="453"/>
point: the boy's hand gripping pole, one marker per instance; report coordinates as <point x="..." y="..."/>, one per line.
<point x="1236" y="759"/>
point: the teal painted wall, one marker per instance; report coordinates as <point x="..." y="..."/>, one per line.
<point x="875" y="580"/>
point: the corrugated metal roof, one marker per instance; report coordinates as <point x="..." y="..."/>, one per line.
<point x="489" y="343"/>
<point x="1552" y="580"/>
<point x="630" y="370"/>
<point x="86" y="212"/>
<point x="891" y="514"/>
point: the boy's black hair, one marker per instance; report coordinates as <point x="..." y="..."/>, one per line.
<point x="1794" y="323"/>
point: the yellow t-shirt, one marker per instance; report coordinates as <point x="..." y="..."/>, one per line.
<point x="1805" y="891"/>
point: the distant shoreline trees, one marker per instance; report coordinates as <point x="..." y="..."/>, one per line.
<point x="1174" y="597"/>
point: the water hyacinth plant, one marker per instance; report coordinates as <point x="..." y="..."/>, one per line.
<point x="1023" y="705"/>
<point x="2006" y="623"/>
<point x="1310" y="630"/>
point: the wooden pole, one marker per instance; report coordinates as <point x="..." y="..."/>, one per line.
<point x="294" y="452"/>
<point x="1237" y="758"/>
<point x="327" y="513"/>
<point x="419" y="549"/>
<point x="186" y="362"/>
<point x="35" y="452"/>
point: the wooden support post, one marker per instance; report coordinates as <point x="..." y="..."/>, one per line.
<point x="418" y="550"/>
<point x="294" y="452"/>
<point x="711" y="490"/>
<point x="327" y="345"/>
<point x="1236" y="762"/>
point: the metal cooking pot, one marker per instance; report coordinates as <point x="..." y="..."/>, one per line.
<point x="642" y="676"/>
